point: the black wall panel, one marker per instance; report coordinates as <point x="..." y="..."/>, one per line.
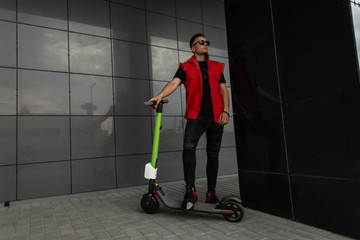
<point x="297" y="159"/>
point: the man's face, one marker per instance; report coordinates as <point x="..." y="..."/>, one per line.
<point x="197" y="47"/>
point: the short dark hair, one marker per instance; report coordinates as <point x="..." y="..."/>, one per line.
<point x="194" y="37"/>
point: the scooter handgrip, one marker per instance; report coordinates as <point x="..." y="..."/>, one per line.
<point x="153" y="103"/>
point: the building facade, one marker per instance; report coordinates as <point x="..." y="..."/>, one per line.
<point x="73" y="78"/>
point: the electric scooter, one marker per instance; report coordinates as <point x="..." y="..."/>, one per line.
<point x="230" y="206"/>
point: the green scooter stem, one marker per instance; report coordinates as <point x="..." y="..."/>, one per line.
<point x="156" y="139"/>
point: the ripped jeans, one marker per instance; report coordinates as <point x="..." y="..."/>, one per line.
<point x="193" y="131"/>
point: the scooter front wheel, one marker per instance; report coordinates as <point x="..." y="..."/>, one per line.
<point x="149" y="203"/>
<point x="236" y="208"/>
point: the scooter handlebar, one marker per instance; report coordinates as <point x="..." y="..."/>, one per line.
<point x="153" y="103"/>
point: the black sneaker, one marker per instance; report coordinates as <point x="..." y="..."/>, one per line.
<point x="189" y="199"/>
<point x="211" y="198"/>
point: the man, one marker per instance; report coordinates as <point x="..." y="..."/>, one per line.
<point x="207" y="110"/>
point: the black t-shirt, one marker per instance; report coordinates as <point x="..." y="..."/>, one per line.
<point x="206" y="103"/>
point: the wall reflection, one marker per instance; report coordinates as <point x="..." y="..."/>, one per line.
<point x="48" y="13"/>
<point x="92" y="137"/>
<point x="88" y="16"/>
<point x="8" y="44"/>
<point x="91" y="55"/>
<point x="128" y="23"/>
<point x="41" y="48"/>
<point x="130" y="59"/>
<point x="7" y="140"/>
<point x="163" y="63"/>
<point x="127" y="101"/>
<point x="249" y="117"/>
<point x="161" y="30"/>
<point x="43" y="93"/>
<point x="91" y="95"/>
<point x="8" y="10"/>
<point x="43" y="139"/>
<point x="218" y="40"/>
<point x="185" y="29"/>
<point x="93" y="174"/>
<point x="7" y="91"/>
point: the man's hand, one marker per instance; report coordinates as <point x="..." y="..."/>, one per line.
<point x="167" y="90"/>
<point x="224" y="118"/>
<point x="157" y="99"/>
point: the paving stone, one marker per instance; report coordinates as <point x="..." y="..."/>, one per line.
<point x="173" y="237"/>
<point x="53" y="235"/>
<point x="66" y="229"/>
<point x="108" y="225"/>
<point x="79" y="226"/>
<point x="101" y="235"/>
<point x="6" y="236"/>
<point x="114" y="232"/>
<point x="20" y="237"/>
<point x="61" y="223"/>
<point x="51" y="227"/>
<point x="69" y="236"/>
<point x="37" y="237"/>
<point x="258" y="227"/>
<point x="303" y="234"/>
<point x="36" y="230"/>
<point x="186" y="236"/>
<point x="163" y="232"/>
<point x="133" y="234"/>
<point x="333" y="236"/>
<point x="21" y="230"/>
<point x="96" y="227"/>
<point x="153" y="237"/>
<point x="174" y="228"/>
<point x="278" y="234"/>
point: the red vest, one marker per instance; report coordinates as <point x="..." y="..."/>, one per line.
<point x="194" y="87"/>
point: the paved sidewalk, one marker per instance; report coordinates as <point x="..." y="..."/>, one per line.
<point x="117" y="214"/>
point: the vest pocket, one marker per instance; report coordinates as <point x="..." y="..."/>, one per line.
<point x="190" y="80"/>
<point x="214" y="75"/>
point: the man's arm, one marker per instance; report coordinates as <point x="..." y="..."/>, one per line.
<point x="167" y="90"/>
<point x="224" y="117"/>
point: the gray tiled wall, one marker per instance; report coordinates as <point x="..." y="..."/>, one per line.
<point x="73" y="76"/>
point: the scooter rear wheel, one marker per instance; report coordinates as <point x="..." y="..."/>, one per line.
<point x="149" y="203"/>
<point x="236" y="207"/>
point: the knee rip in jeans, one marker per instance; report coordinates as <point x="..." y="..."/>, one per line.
<point x="212" y="155"/>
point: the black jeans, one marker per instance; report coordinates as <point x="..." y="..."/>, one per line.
<point x="194" y="129"/>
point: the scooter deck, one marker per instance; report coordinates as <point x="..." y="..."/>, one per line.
<point x="198" y="206"/>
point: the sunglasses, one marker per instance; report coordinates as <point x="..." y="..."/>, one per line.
<point x="202" y="42"/>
